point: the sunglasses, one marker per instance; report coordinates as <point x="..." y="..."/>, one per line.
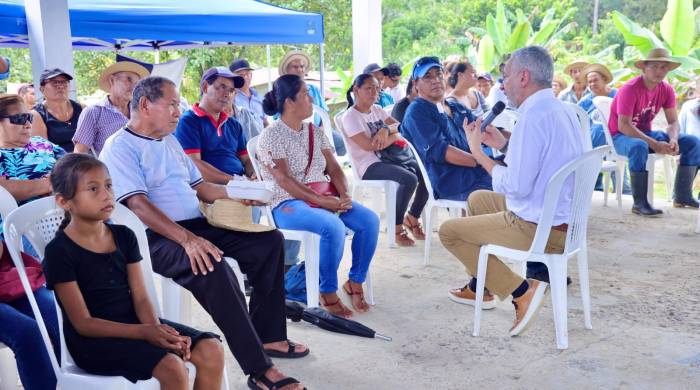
<point x="19" y="119"/>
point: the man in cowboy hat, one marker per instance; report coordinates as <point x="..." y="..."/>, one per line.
<point x="99" y="121"/>
<point x="298" y="63"/>
<point x="631" y="114"/>
<point x="578" y="89"/>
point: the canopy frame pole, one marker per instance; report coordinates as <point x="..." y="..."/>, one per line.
<point x="320" y="69"/>
<point x="269" y="67"/>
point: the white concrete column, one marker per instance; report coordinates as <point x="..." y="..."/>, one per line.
<point x="50" y="44"/>
<point x="366" y="33"/>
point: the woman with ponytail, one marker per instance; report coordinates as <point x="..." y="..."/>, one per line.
<point x="462" y="80"/>
<point x="370" y="131"/>
<point x="311" y="192"/>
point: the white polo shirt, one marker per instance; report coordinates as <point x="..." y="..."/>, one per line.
<point x="157" y="168"/>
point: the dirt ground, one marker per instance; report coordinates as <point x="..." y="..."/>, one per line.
<point x="644" y="276"/>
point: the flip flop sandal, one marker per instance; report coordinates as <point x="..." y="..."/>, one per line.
<point x="253" y="383"/>
<point x="290" y="354"/>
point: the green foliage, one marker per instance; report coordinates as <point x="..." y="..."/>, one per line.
<point x="678" y="26"/>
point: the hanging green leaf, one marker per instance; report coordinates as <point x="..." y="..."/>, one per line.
<point x="634" y="34"/>
<point x="519" y="36"/>
<point x="678" y="26"/>
<point x="501" y="21"/>
<point x="546" y="31"/>
<point x="497" y="39"/>
<point x="486" y="54"/>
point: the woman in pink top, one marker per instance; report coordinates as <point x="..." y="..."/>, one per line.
<point x="369" y="130"/>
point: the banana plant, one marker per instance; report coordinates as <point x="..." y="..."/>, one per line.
<point x="501" y="36"/>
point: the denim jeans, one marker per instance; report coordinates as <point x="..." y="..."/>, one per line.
<point x="297" y="215"/>
<point x="637" y="151"/>
<point x="291" y="247"/>
<point x="20" y="332"/>
<point x="339" y="143"/>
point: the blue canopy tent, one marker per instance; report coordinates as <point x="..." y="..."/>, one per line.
<point x="171" y="24"/>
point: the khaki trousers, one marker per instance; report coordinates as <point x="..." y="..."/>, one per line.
<point x="489" y="222"/>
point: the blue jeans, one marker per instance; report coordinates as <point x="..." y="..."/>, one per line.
<point x="20" y="332"/>
<point x="637" y="151"/>
<point x="291" y="247"/>
<point x="339" y="143"/>
<point x="297" y="215"/>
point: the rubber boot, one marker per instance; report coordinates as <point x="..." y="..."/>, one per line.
<point x="683" y="187"/>
<point x="639" y="194"/>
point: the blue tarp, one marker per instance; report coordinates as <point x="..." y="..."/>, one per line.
<point x="143" y="24"/>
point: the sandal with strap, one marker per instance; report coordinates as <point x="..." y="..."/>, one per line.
<point x="402" y="239"/>
<point x="416" y="230"/>
<point x="340" y="309"/>
<point x="291" y="352"/>
<point x="364" y="307"/>
<point x="253" y="382"/>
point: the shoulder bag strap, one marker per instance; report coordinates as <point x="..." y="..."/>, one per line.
<point x="311" y="149"/>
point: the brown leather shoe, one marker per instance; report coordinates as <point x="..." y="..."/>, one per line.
<point x="465" y="296"/>
<point x="527" y="306"/>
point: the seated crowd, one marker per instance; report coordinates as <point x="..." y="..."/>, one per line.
<point x="137" y="148"/>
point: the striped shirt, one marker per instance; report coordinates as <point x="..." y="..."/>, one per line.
<point x="97" y="123"/>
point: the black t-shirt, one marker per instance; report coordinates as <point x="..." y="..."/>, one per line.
<point x="400" y="108"/>
<point x="102" y="277"/>
<point x="57" y="131"/>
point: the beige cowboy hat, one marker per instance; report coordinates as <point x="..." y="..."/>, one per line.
<point x="575" y="64"/>
<point x="600" y="69"/>
<point x="561" y="81"/>
<point x="658" y="54"/>
<point x="291" y="56"/>
<point x="121" y="66"/>
<point x="232" y="215"/>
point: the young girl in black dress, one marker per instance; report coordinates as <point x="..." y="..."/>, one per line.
<point x="110" y="325"/>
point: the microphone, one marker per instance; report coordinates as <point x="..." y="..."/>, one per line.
<point x="495" y="111"/>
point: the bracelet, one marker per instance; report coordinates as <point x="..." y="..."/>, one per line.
<point x="504" y="149"/>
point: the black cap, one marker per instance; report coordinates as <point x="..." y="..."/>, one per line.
<point x="393" y="70"/>
<point x="371" y="68"/>
<point x="48" y="74"/>
<point x="241" y="64"/>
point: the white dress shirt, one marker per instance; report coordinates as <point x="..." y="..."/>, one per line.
<point x="545" y="138"/>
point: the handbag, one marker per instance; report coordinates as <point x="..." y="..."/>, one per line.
<point x="397" y="153"/>
<point x="10" y="285"/>
<point x="323" y="188"/>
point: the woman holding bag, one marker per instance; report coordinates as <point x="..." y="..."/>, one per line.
<point x="311" y="192"/>
<point x="381" y="153"/>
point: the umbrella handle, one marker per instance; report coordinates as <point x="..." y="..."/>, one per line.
<point x="382" y="337"/>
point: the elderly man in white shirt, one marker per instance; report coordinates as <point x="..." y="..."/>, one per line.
<point x="545" y="138"/>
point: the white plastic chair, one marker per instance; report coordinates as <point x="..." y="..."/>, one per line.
<point x="608" y="167"/>
<point x="585" y="171"/>
<point x="8" y="368"/>
<point x="311" y="242"/>
<point x="39" y="221"/>
<point x="453" y="206"/>
<point x="390" y="188"/>
<point x="602" y="104"/>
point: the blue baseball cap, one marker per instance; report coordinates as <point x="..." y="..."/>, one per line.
<point x="423" y="66"/>
<point x="221" y="71"/>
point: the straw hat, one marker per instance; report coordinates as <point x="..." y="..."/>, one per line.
<point x="658" y="54"/>
<point x="121" y="66"/>
<point x="291" y="56"/>
<point x="575" y="64"/>
<point x="561" y="82"/>
<point x="232" y="215"/>
<point x="600" y="69"/>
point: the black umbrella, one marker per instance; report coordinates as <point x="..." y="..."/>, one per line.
<point x="325" y="320"/>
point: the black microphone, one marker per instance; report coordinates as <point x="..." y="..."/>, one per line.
<point x="495" y="111"/>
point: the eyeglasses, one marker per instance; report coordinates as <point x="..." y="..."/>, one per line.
<point x="19" y="119"/>
<point x="57" y="83"/>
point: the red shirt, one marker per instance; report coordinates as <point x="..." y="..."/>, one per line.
<point x="640" y="103"/>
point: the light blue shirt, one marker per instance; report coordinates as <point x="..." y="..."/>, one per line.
<point x="546" y="137"/>
<point x="252" y="103"/>
<point x="5" y="75"/>
<point x="689" y="118"/>
<point x="157" y="168"/>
